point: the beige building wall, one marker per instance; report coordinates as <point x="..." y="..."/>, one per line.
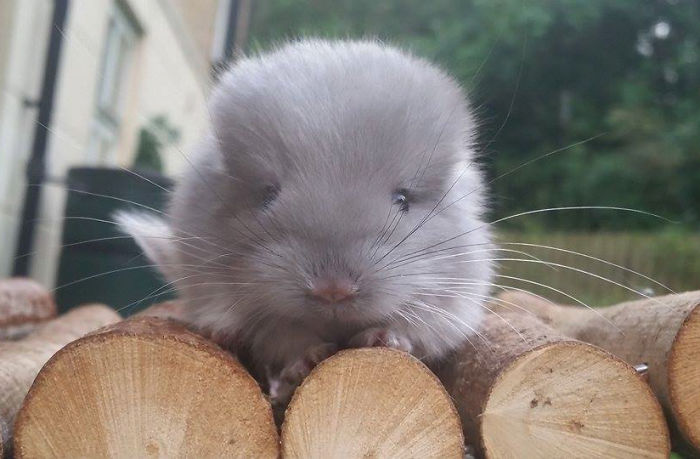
<point x="23" y="37"/>
<point x="167" y="74"/>
<point x="200" y="17"/>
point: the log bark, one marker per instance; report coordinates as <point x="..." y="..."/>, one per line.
<point x="525" y="390"/>
<point x="20" y="361"/>
<point x="662" y="332"/>
<point x="172" y="310"/>
<point x="24" y="304"/>
<point x="140" y="388"/>
<point x="372" y="402"/>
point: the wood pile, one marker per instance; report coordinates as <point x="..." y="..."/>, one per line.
<point x="539" y="380"/>
<point x="24" y="304"/>
<point x="20" y="361"/>
<point x="662" y="333"/>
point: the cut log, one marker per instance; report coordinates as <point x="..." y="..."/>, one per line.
<point x="140" y="388"/>
<point x="20" y="361"/>
<point x="524" y="390"/>
<point x="24" y="304"/>
<point x="373" y="402"/>
<point x="662" y="332"/>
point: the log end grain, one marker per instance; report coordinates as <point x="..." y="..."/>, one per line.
<point x="662" y="332"/>
<point x="684" y="377"/>
<point x="373" y="402"/>
<point x="145" y="387"/>
<point x="569" y="399"/>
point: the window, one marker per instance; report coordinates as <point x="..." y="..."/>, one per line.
<point x="122" y="34"/>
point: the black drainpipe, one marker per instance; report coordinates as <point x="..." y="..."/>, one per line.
<point x="231" y="22"/>
<point x="37" y="162"/>
<point x="232" y="18"/>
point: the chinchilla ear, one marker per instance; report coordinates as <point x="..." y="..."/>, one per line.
<point x="152" y="234"/>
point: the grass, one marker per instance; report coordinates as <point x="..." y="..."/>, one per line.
<point x="672" y="259"/>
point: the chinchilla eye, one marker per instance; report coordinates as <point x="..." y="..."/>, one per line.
<point x="269" y="195"/>
<point x="400" y="198"/>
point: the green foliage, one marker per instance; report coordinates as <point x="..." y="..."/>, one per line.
<point x="158" y="133"/>
<point x="546" y="75"/>
<point x="148" y="152"/>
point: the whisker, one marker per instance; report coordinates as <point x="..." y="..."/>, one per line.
<point x="106" y="196"/>
<point x="520" y="166"/>
<point x="601" y="260"/>
<point x="512" y="99"/>
<point x="462" y="254"/>
<point x="160" y="291"/>
<point x="501" y="287"/>
<point x="582" y="271"/>
<point x="539" y="284"/>
<point x="503" y="319"/>
<point x="561" y="292"/>
<point x="145" y="179"/>
<point x="114" y="271"/>
<point x="544" y="210"/>
<point x="429" y="216"/>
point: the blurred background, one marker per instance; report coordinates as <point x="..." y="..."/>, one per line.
<point x="101" y="101"/>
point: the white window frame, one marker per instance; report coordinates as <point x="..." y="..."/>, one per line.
<point x="122" y="35"/>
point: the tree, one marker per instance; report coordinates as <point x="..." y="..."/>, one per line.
<point x="547" y="75"/>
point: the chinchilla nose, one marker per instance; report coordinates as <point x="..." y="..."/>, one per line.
<point x="333" y="290"/>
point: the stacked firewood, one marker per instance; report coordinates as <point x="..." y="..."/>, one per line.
<point x="539" y="380"/>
